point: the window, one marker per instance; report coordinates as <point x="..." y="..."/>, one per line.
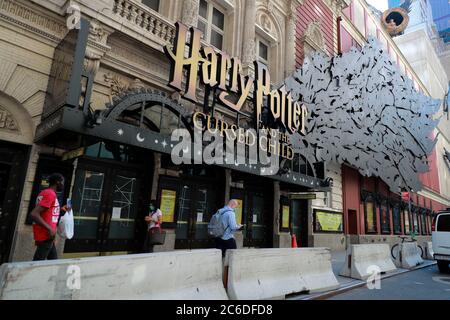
<point x="211" y="22"/>
<point x="423" y="224"/>
<point x="385" y="218"/>
<point x="415" y="223"/>
<point x="152" y="4"/>
<point x="397" y="220"/>
<point x="262" y="51"/>
<point x="443" y="223"/>
<point x="371" y="219"/>
<point x="407" y="221"/>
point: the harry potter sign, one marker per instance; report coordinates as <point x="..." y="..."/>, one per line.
<point x="218" y="70"/>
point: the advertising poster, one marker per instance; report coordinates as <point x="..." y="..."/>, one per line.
<point x="285" y="217"/>
<point x="370" y="218"/>
<point x="328" y="222"/>
<point x="168" y="201"/>
<point x="238" y="211"/>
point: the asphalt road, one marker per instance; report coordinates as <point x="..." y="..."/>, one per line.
<point x="422" y="284"/>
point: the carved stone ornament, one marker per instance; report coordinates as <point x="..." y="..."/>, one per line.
<point x="117" y="84"/>
<point x="365" y="113"/>
<point x="314" y="36"/>
<point x="7" y="121"/>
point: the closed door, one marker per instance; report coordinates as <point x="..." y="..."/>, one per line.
<point x="105" y="206"/>
<point x="13" y="166"/>
<point x="299" y="223"/>
<point x="195" y="203"/>
<point x="352" y="222"/>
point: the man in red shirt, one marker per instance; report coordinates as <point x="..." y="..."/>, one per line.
<point x="45" y="219"/>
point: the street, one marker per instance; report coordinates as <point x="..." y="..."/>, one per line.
<point x="422" y="284"/>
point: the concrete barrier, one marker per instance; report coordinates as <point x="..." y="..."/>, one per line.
<point x="409" y="256"/>
<point x="429" y="253"/>
<point x="274" y="273"/>
<point x="158" y="276"/>
<point x="361" y="257"/>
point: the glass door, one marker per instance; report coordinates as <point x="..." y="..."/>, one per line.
<point x="105" y="209"/>
<point x="120" y="223"/>
<point x="89" y="207"/>
<point x="195" y="203"/>
<point x="257" y="215"/>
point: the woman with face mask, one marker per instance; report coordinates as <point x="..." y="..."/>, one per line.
<point x="153" y="220"/>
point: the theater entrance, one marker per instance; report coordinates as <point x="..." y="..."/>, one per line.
<point x="110" y="200"/>
<point x="188" y="204"/>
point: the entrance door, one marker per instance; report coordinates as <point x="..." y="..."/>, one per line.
<point x="106" y="205"/>
<point x="256" y="216"/>
<point x="299" y="222"/>
<point x="13" y="166"/>
<point x="195" y="204"/>
<point x="352" y="222"/>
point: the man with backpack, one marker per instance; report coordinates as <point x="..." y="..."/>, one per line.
<point x="223" y="225"/>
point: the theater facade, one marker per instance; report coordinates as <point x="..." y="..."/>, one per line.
<point x="96" y="90"/>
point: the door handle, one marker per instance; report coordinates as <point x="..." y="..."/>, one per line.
<point x="108" y="219"/>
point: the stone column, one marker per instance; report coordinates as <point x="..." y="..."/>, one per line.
<point x="248" y="49"/>
<point x="189" y="15"/>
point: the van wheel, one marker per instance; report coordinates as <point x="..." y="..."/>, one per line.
<point x="443" y="266"/>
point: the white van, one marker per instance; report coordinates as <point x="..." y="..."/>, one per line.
<point x="441" y="240"/>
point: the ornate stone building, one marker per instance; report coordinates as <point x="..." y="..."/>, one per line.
<point x="124" y="53"/>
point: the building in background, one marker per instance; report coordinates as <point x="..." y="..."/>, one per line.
<point x="441" y="15"/>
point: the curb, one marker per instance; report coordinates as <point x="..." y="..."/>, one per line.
<point x="326" y="295"/>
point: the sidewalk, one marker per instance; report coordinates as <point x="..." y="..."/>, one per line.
<point x="337" y="261"/>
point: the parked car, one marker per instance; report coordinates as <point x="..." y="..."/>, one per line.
<point x="441" y="240"/>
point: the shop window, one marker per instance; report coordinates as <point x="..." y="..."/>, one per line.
<point x="385" y="217"/>
<point x="397" y="219"/>
<point x="211" y="22"/>
<point x="152" y="4"/>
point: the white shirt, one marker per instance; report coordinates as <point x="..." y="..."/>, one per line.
<point x="157" y="214"/>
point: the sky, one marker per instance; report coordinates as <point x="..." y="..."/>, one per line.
<point x="381" y="5"/>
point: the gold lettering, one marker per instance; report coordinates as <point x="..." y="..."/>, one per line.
<point x="209" y="67"/>
<point x="196" y="120"/>
<point x="179" y="62"/>
<point x="262" y="86"/>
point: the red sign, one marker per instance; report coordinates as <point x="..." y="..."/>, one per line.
<point x="405" y="196"/>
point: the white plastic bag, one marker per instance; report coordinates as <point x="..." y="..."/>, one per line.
<point x="66" y="225"/>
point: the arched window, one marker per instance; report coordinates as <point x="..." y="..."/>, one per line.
<point x="154" y="116"/>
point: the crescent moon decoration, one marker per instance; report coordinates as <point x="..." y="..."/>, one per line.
<point x="139" y="138"/>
